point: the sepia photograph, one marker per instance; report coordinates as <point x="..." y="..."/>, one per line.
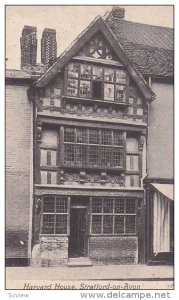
<point x="89" y="180"/>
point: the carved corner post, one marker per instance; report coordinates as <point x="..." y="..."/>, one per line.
<point x="37" y="219"/>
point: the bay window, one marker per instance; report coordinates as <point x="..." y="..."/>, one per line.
<point x="95" y="148"/>
<point x="96" y="82"/>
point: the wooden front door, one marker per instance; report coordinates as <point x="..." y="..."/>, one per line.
<point x="78" y="232"/>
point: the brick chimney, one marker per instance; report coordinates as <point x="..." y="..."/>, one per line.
<point x="118" y="12"/>
<point x="48" y="46"/>
<point x="28" y="42"/>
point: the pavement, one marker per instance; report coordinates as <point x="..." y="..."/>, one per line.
<point x="112" y="272"/>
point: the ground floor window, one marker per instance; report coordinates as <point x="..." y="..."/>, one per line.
<point x="107" y="216"/>
<point x="113" y="216"/>
<point x="55" y="215"/>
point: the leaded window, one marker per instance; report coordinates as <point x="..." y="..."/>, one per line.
<point x="54" y="215"/>
<point x="93" y="148"/>
<point x="96" y="82"/>
<point x="113" y="215"/>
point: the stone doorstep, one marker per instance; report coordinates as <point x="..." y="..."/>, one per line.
<point x="79" y="262"/>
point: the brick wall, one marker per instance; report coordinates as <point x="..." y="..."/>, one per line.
<point x="18" y="170"/>
<point x="113" y="250"/>
<point x="50" y="251"/>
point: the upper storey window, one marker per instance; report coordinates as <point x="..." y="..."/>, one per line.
<point x="96" y="82"/>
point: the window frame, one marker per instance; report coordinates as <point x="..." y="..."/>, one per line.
<point x="100" y="146"/>
<point x="103" y="80"/>
<point x="67" y="214"/>
<point x="113" y="214"/>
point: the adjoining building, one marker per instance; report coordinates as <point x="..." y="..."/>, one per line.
<point x="87" y="147"/>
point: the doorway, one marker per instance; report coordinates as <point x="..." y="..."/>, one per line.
<point x="78" y="240"/>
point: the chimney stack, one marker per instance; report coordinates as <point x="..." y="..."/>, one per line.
<point x="28" y="42"/>
<point x="118" y="12"/>
<point x="48" y="46"/>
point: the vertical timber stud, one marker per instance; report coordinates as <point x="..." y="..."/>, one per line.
<point x="141" y="144"/>
<point x="90" y="212"/>
<point x="37" y="151"/>
<point x="68" y="221"/>
<point x="141" y="223"/>
<point x="61" y="145"/>
<point x="124" y="156"/>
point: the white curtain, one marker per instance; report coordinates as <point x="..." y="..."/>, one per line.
<point x="161" y="224"/>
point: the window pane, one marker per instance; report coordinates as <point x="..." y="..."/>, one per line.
<point x="61" y="224"/>
<point x="81" y="136"/>
<point x="49" y="204"/>
<point x="43" y="157"/>
<point x="120" y="76"/>
<point x="108" y="92"/>
<point x="72" y="87"/>
<point x="85" y="89"/>
<point x="43" y="177"/>
<point x="69" y="154"/>
<point x="119" y="206"/>
<point x="131" y="206"/>
<point x="132" y="144"/>
<point x="117" y="158"/>
<point x="120" y="93"/>
<point x="119" y="224"/>
<point x="106" y="137"/>
<point x="97" y="73"/>
<point x="97" y="90"/>
<point x="96" y="205"/>
<point x="81" y="155"/>
<point x="93" y="137"/>
<point x="48" y="224"/>
<point x="73" y="70"/>
<point x="85" y="71"/>
<point x="106" y="157"/>
<point x="108" y="205"/>
<point x="61" y="205"/>
<point x="130" y="224"/>
<point x="69" y="135"/>
<point x="96" y="224"/>
<point x="118" y="138"/>
<point x="108" y="224"/>
<point x="93" y="156"/>
<point x="109" y="74"/>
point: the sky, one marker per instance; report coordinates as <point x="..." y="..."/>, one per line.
<point x="69" y="21"/>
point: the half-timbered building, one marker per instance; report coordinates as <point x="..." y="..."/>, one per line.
<point x="88" y="139"/>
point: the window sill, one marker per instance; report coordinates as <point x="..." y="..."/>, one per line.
<point x="92" y="168"/>
<point x="79" y="100"/>
<point x="113" y="235"/>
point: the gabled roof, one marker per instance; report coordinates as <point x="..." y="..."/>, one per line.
<point x="149" y="47"/>
<point x="97" y="25"/>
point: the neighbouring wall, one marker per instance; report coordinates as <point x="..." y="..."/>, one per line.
<point x="160" y="132"/>
<point x="19" y="162"/>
